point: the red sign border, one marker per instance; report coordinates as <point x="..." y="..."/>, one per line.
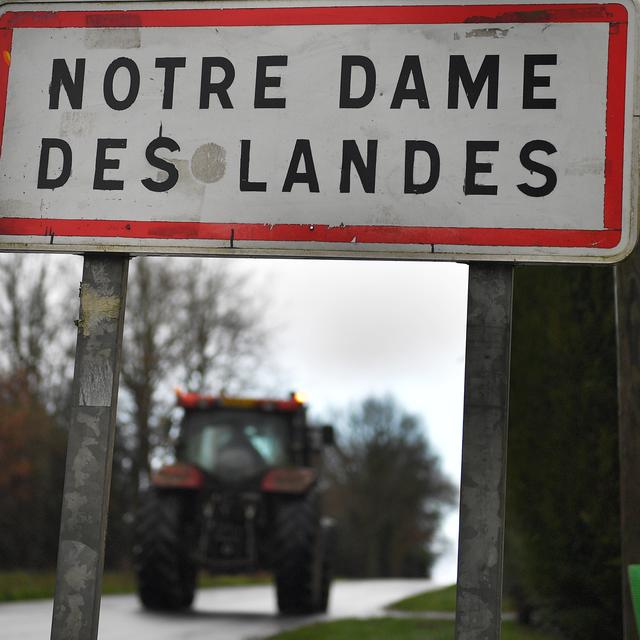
<point x="614" y="14"/>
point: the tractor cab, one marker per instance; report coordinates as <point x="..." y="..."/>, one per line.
<point x="236" y="441"/>
<point x="233" y="445"/>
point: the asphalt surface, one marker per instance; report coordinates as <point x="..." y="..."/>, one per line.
<point x="233" y="613"/>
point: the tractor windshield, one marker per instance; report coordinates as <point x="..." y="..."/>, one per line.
<point x="234" y="444"/>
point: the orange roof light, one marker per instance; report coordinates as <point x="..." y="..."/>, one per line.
<point x="300" y="397"/>
<point x="191" y="400"/>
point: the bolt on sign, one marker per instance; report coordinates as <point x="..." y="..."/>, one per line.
<point x="404" y="130"/>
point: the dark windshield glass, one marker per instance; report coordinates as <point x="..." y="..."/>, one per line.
<point x="234" y="444"/>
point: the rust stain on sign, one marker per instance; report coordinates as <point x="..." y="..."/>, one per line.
<point x="488" y="33"/>
<point x="535" y="15"/>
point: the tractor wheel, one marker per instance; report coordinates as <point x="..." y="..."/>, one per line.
<point x="328" y="549"/>
<point x="298" y="557"/>
<point x="165" y="572"/>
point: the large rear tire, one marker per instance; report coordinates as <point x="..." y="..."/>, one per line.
<point x="166" y="574"/>
<point x="298" y="557"/>
<point x="328" y="549"/>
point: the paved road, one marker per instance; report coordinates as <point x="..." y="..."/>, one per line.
<point x="234" y="613"/>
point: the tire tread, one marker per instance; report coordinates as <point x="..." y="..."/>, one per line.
<point x="166" y="575"/>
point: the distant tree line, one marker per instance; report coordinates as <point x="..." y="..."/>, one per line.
<point x="563" y="549"/>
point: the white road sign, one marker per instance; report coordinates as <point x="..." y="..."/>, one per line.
<point x="404" y="129"/>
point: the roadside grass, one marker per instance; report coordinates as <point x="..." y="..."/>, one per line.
<point x="406" y="628"/>
<point x="25" y="585"/>
<point x="396" y="628"/>
<point x="437" y="600"/>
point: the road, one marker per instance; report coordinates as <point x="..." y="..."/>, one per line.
<point x="233" y="613"/>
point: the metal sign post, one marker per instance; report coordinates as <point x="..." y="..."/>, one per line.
<point x="484" y="452"/>
<point x="90" y="448"/>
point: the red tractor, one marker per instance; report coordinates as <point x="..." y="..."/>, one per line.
<point x="242" y="496"/>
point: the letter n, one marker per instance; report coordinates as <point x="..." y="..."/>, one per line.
<point x="61" y="77"/>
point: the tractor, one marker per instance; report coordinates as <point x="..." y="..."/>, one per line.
<point x="242" y="496"/>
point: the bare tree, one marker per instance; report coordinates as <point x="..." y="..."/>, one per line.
<point x="23" y="331"/>
<point x="147" y="353"/>
<point x="36" y="330"/>
<point x="193" y="324"/>
<point x="223" y="331"/>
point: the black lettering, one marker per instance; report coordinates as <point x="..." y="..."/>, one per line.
<point x="530" y="81"/>
<point x="263" y="81"/>
<point x="473" y="168"/>
<point x="301" y="151"/>
<point x="487" y="75"/>
<point x="44" y="181"/>
<point x="536" y="167"/>
<point x="169" y="65"/>
<point x="410" y="69"/>
<point x="220" y="88"/>
<point x="347" y="101"/>
<point x="103" y="163"/>
<point x="366" y="170"/>
<point x="161" y="142"/>
<point x="134" y="83"/>
<point x="61" y="77"/>
<point x="411" y="147"/>
<point x="245" y="183"/>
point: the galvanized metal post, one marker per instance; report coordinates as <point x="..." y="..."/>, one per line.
<point x="484" y="452"/>
<point x="90" y="448"/>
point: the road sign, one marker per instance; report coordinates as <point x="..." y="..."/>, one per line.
<point x="409" y="130"/>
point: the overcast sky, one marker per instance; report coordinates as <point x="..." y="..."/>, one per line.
<point x="346" y="329"/>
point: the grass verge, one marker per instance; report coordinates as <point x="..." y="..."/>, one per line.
<point x="23" y="585"/>
<point x="396" y="628"/>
